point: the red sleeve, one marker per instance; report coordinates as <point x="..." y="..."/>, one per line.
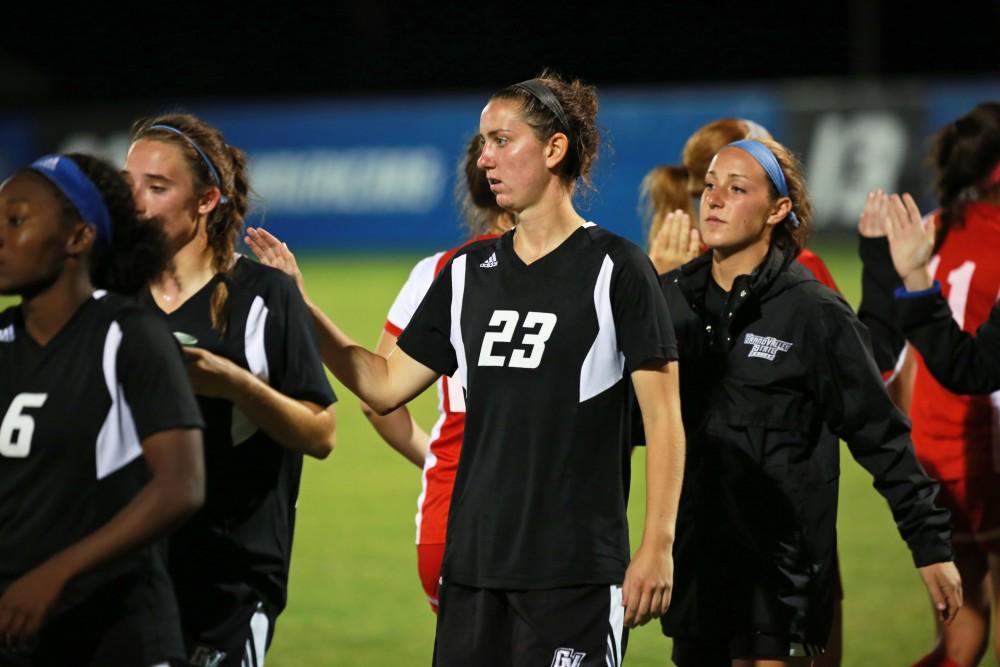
<point x="811" y="261"/>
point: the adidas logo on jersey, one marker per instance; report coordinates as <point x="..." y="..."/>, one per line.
<point x="490" y="263"/>
<point x="7" y="334"/>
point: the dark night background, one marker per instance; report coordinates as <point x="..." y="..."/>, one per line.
<point x="242" y="51"/>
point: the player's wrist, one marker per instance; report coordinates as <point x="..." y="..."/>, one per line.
<point x="918" y="279"/>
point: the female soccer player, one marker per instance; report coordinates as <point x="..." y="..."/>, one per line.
<point x="100" y="447"/>
<point x="437" y="454"/>
<point x="783" y="370"/>
<point x="678" y="242"/>
<point x="260" y="383"/>
<point x="546" y="325"/>
<point x="954" y="434"/>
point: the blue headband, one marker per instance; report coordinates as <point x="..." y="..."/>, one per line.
<point x="766" y="159"/>
<point x="212" y="171"/>
<point x="79" y="189"/>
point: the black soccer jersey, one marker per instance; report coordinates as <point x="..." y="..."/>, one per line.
<point x="545" y="351"/>
<point x="238" y="547"/>
<point x="74" y="413"/>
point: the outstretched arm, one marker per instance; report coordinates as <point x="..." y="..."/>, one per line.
<point x="382" y="384"/>
<point x="963" y="363"/>
<point x="398" y="428"/>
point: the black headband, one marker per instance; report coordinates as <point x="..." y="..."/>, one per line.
<point x="541" y="92"/>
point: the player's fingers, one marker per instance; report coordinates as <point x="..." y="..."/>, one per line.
<point x="895" y="214"/>
<point x="665" y="600"/>
<point x="938" y="599"/>
<point x="268" y="240"/>
<point x="628" y="600"/>
<point x="642" y="609"/>
<point x="912" y="210"/>
<point x="694" y="242"/>
<point x="680" y="230"/>
<point x="659" y="238"/>
<point x="655" y="603"/>
<point x="955" y="598"/>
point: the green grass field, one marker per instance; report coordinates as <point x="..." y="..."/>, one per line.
<point x="355" y="598"/>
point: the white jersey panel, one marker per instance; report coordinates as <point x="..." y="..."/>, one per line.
<point x="457" y="297"/>
<point x="605" y="363"/>
<point x="241" y="427"/>
<point x="118" y="441"/>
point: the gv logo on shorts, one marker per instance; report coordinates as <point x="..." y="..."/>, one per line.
<point x="567" y="657"/>
<point x="205" y="656"/>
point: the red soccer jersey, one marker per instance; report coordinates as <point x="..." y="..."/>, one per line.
<point x="955" y="436"/>
<point x="441" y="463"/>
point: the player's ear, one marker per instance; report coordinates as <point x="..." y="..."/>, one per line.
<point x="81" y="239"/>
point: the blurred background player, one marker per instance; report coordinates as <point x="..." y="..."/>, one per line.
<point x="82" y="500"/>
<point x="954" y="435"/>
<point x="783" y="371"/>
<point x="438" y="454"/>
<point x="259" y="380"/>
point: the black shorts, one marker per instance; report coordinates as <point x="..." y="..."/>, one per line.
<point x="581" y="626"/>
<point x="234" y="636"/>
<point x="131" y="621"/>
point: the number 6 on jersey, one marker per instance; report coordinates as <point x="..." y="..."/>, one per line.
<point x="17" y="428"/>
<point x="507" y="319"/>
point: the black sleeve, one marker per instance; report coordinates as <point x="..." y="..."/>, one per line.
<point x="960" y="362"/>
<point x="642" y="321"/>
<point x="290" y="345"/>
<point x="427" y="338"/>
<point x="877" y="310"/>
<point x="150" y="367"/>
<point x="858" y="410"/>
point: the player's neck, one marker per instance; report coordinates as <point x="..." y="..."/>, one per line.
<point x="46" y="313"/>
<point x="543" y="227"/>
<point x="728" y="264"/>
<point x="191" y="269"/>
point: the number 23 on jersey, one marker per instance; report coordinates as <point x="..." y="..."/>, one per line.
<point x="536" y="327"/>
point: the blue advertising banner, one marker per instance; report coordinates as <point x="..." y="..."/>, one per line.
<point x="379" y="174"/>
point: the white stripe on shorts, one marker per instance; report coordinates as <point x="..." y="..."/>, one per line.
<point x="256" y="646"/>
<point x="616" y="621"/>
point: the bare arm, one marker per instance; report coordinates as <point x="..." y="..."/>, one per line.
<point x="176" y="490"/>
<point x="301" y="426"/>
<point x="649" y="578"/>
<point x="382" y="384"/>
<point x="398" y="428"/>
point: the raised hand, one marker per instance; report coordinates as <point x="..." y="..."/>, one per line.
<point x="676" y="242"/>
<point x="272" y="252"/>
<point x="873" y="219"/>
<point x="911" y="242"/>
